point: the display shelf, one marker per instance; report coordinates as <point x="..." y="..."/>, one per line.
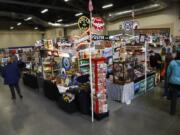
<point x="84" y="65"/>
<point x="84" y="59"/>
<point x="139" y="84"/>
<point x="123" y="72"/>
<point x="99" y="88"/>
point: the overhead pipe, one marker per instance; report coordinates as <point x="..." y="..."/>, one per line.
<point x="20" y="3"/>
<point x="146" y="8"/>
<point x="34" y="19"/>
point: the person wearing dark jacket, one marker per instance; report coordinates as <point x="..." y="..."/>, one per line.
<point x="173" y="76"/>
<point x="11" y="76"/>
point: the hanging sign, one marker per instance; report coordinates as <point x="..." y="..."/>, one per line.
<point x="128" y="26"/>
<point x="83" y="23"/>
<point x="99" y="37"/>
<point x="98" y="23"/>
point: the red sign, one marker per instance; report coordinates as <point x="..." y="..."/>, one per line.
<point x="98" y="23"/>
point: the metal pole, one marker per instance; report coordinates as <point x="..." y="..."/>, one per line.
<point x="90" y="69"/>
<point x="145" y="67"/>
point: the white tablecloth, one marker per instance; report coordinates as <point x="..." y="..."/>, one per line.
<point x="122" y="93"/>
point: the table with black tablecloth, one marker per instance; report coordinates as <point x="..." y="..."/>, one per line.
<point x="30" y="80"/>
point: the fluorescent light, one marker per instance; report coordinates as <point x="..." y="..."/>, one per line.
<point x="124" y="12"/>
<point x="44" y="11"/>
<point x="18" y="24"/>
<point x="71" y="24"/>
<point x="107" y="6"/>
<point x="60" y="20"/>
<point x="78" y="14"/>
<point x="27" y="19"/>
<point x="11" y="27"/>
<point x="36" y="28"/>
<point x="54" y="24"/>
<point x="66" y="0"/>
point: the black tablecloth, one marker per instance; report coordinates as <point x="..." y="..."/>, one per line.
<point x="50" y="90"/>
<point x="30" y="81"/>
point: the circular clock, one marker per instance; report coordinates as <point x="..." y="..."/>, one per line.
<point x="66" y="63"/>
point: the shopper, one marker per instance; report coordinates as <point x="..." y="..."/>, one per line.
<point x="155" y="60"/>
<point x="11" y="76"/>
<point x="173" y="76"/>
<point x="168" y="59"/>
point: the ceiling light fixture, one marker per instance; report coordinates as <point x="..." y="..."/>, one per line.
<point x="18" y="24"/>
<point x="124" y="12"/>
<point x="60" y="20"/>
<point x="107" y="6"/>
<point x="54" y="24"/>
<point x="78" y="14"/>
<point x="27" y="19"/>
<point x="66" y="0"/>
<point x="11" y="27"/>
<point x="36" y="28"/>
<point x="44" y="11"/>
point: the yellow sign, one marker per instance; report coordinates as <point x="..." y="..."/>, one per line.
<point x="83" y="23"/>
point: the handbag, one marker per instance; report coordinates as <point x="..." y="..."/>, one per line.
<point x="163" y="73"/>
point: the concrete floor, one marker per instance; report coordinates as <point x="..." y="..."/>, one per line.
<point x="35" y="115"/>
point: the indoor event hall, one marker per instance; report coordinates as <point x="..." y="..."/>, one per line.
<point x="89" y="67"/>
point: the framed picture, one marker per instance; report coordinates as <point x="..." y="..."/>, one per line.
<point x="122" y="73"/>
<point x="142" y="38"/>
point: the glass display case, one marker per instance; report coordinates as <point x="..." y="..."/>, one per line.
<point x="123" y="72"/>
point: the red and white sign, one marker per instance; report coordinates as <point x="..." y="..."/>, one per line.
<point x="98" y="23"/>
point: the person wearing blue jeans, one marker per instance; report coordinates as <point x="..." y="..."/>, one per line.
<point x="173" y="76"/>
<point x="168" y="59"/>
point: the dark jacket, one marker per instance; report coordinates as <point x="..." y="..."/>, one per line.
<point x="154" y="60"/>
<point x="11" y="74"/>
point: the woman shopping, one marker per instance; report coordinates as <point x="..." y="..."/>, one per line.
<point x="173" y="76"/>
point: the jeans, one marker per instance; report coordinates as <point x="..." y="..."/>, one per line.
<point x="166" y="91"/>
<point x="12" y="88"/>
<point x="174" y="96"/>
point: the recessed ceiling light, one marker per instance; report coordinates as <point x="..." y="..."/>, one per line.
<point x="60" y="20"/>
<point x="18" y="24"/>
<point x="27" y="19"/>
<point x="36" y="28"/>
<point x="78" y="14"/>
<point x="11" y="27"/>
<point x="44" y="11"/>
<point x="66" y="0"/>
<point x="107" y="6"/>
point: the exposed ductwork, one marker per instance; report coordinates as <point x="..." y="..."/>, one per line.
<point x="137" y="9"/>
<point x="34" y="19"/>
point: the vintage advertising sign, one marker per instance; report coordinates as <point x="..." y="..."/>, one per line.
<point x="100" y="37"/>
<point x="98" y="23"/>
<point x="83" y="23"/>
